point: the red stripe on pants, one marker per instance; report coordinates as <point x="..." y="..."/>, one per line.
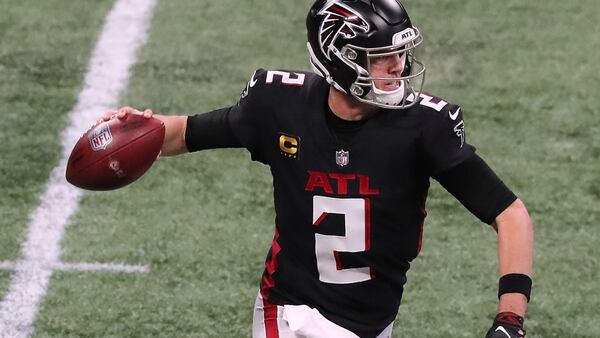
<point x="270" y="313"/>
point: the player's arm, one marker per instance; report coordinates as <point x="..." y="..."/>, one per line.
<point x="221" y="128"/>
<point x="174" y="143"/>
<point x="467" y="177"/>
<point x="515" y="261"/>
<point x="515" y="252"/>
<point x="175" y="126"/>
<point x="478" y="188"/>
<point x="230" y="127"/>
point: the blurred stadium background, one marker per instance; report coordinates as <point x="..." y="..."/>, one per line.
<point x="525" y="74"/>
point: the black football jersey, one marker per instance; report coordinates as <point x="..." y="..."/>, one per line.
<point x="349" y="215"/>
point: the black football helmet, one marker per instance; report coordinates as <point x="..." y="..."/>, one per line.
<point x="343" y="36"/>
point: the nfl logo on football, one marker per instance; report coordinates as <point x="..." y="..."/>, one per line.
<point x="342" y="157"/>
<point x="100" y="138"/>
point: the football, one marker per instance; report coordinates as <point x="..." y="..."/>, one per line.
<point x="114" y="153"/>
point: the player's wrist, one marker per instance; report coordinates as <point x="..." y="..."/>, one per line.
<point x="513" y="302"/>
<point x="515" y="283"/>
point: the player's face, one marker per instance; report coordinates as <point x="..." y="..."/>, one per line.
<point x="388" y="66"/>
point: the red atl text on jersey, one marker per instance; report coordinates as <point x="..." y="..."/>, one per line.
<point x="319" y="180"/>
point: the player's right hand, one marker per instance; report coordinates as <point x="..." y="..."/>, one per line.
<point x="507" y="325"/>
<point x="122" y="112"/>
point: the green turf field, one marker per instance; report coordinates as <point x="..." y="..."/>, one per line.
<point x="525" y="74"/>
<point x="44" y="51"/>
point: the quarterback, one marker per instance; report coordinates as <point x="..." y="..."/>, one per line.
<point x="352" y="147"/>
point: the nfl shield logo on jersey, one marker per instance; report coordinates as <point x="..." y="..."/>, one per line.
<point x="342" y="157"/>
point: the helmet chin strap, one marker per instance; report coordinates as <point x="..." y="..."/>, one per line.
<point x="392" y="97"/>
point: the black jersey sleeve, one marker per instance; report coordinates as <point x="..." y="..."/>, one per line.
<point x="478" y="188"/>
<point x="210" y="130"/>
<point x="250" y="117"/>
<point x="241" y="125"/>
<point x="444" y="138"/>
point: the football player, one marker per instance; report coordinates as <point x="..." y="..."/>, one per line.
<point x="351" y="148"/>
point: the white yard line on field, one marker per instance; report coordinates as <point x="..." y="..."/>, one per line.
<point x="124" y="31"/>
<point x="7" y="265"/>
<point x="108" y="267"/>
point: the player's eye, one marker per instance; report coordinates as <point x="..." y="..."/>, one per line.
<point x="384" y="59"/>
<point x="376" y="60"/>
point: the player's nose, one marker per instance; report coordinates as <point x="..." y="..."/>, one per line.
<point x="395" y="63"/>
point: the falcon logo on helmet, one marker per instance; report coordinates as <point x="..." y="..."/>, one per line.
<point x="342" y="21"/>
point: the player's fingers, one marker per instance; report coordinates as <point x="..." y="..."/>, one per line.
<point x="108" y="115"/>
<point x="128" y="110"/>
<point x="148" y="113"/>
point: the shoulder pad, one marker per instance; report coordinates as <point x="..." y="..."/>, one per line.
<point x="452" y="112"/>
<point x="284" y="77"/>
<point x="274" y="79"/>
<point x="258" y="74"/>
<point x="438" y="106"/>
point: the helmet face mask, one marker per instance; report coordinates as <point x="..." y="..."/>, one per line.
<point x="345" y="36"/>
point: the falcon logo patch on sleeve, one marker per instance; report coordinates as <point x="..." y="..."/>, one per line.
<point x="459" y="130"/>
<point x="249" y="85"/>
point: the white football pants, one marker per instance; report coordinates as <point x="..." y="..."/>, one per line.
<point x="298" y="321"/>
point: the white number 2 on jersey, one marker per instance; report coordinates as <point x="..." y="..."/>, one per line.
<point x="356" y="213"/>
<point x="290" y="79"/>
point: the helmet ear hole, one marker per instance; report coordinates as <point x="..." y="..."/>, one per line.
<point x="407" y="65"/>
<point x="407" y="69"/>
<point x="362" y="60"/>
